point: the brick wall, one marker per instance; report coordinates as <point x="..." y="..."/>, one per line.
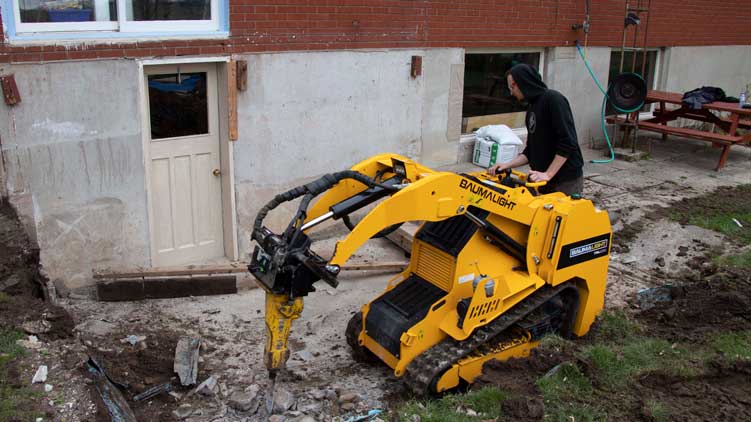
<point x="257" y="25"/>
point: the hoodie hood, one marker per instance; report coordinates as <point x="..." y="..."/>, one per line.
<point x="529" y="81"/>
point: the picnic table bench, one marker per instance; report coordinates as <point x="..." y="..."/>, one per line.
<point x="738" y="118"/>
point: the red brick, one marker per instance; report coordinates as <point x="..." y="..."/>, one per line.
<point x="340" y="24"/>
<point x="54" y="56"/>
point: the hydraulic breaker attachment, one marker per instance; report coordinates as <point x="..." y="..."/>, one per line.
<point x="280" y="312"/>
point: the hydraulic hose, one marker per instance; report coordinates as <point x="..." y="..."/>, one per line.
<point x="605" y="100"/>
<point x="313" y="188"/>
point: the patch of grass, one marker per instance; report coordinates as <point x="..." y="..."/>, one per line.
<point x="734" y="345"/>
<point x="486" y="402"/>
<point x="566" y="393"/>
<point x="616" y="327"/>
<point x="615" y="365"/>
<point x="554" y="343"/>
<point x="8" y="344"/>
<point x="568" y="383"/>
<point x="611" y="370"/>
<point x="742" y="260"/>
<point x="14" y="401"/>
<point x="723" y="223"/>
<point x="658" y="411"/>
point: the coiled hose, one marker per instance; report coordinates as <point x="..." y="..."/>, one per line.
<point x="602" y="109"/>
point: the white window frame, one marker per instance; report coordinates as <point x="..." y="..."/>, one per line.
<point x="121" y="25"/>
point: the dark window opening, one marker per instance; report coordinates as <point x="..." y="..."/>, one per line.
<point x="486" y="91"/>
<point x="635" y="66"/>
<point x="178" y="105"/>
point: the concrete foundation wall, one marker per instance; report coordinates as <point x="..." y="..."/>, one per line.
<point x="306" y="114"/>
<point x="73" y="158"/>
<point x="726" y="67"/>
<point x="565" y="72"/>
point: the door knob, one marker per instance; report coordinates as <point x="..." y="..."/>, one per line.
<point x="216" y="172"/>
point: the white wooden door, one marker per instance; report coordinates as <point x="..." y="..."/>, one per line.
<point x="185" y="196"/>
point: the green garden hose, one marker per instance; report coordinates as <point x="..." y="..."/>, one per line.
<point x="602" y="111"/>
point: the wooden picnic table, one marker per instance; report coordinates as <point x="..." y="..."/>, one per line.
<point x="737" y="117"/>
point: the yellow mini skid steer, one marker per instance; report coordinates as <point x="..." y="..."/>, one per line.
<point x="494" y="267"/>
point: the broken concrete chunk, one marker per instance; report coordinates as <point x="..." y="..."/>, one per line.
<point x="183" y="411"/>
<point x="95" y="327"/>
<point x="283" y="400"/>
<point x="349" y="398"/>
<point x="36" y="327"/>
<point x="32" y="343"/>
<point x="305" y="355"/>
<point x="243" y="402"/>
<point x="40" y="376"/>
<point x="133" y="339"/>
<point x="331" y="395"/>
<point x="207" y="387"/>
<point x="186" y="360"/>
<point x="647" y="298"/>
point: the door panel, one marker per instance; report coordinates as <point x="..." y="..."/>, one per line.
<point x="185" y="177"/>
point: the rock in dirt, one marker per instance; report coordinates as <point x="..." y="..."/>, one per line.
<point x="314" y="408"/>
<point x="36" y="327"/>
<point x="647" y="298"/>
<point x="183" y="412"/>
<point x="348" y="406"/>
<point x="132" y="339"/>
<point x="304" y="418"/>
<point x="186" y="360"/>
<point x="40" y="376"/>
<point x="244" y="402"/>
<point x="208" y="387"/>
<point x="95" y="327"/>
<point x="276" y="418"/>
<point x="31" y="343"/>
<point x="283" y="400"/>
<point x="349" y="398"/>
<point x="47" y="388"/>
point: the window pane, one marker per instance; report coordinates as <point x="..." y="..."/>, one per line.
<point x="178" y="105"/>
<point x="33" y="11"/>
<point x="168" y="10"/>
<point x="485" y="89"/>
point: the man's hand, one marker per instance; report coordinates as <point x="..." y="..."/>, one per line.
<point x="538" y="176"/>
<point x="496" y="168"/>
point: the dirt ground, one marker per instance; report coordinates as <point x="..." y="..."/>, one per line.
<point x="323" y="381"/>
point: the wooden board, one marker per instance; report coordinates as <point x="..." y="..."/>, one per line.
<point x="233" y="268"/>
<point x="232" y="99"/>
<point x="164" y="288"/>
<point x="402" y="237"/>
<point x="512" y="120"/>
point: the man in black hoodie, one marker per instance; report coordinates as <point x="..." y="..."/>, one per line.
<point x="552" y="150"/>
